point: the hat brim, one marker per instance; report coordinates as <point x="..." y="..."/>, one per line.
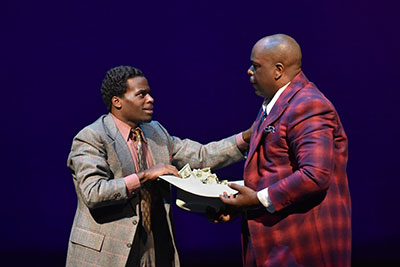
<point x="193" y="195"/>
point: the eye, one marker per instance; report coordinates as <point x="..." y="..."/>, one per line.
<point x="143" y="94"/>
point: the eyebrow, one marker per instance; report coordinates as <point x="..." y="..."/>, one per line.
<point x="142" y="90"/>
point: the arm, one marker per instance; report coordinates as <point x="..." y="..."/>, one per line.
<point x="93" y="176"/>
<point x="310" y="137"/>
<point x="91" y="171"/>
<point x="215" y="154"/>
<point x="134" y="181"/>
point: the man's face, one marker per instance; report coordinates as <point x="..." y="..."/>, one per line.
<point x="136" y="103"/>
<point x="261" y="72"/>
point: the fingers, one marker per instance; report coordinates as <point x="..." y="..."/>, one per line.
<point x="227" y="199"/>
<point x="172" y="170"/>
<point x="162" y="169"/>
<point x="223" y="218"/>
<point x="213" y="216"/>
<point x="236" y="187"/>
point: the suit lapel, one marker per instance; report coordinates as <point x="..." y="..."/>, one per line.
<point x="254" y="137"/>
<point x="278" y="109"/>
<point x="120" y="146"/>
<point x="150" y="135"/>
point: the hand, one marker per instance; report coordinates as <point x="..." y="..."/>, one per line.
<point x="246" y="198"/>
<point x="247" y="134"/>
<point x="157" y="170"/>
<point x="223" y="216"/>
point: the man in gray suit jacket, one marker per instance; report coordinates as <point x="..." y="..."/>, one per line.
<point x="107" y="159"/>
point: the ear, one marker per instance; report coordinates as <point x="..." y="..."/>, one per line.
<point x="116" y="102"/>
<point x="278" y="71"/>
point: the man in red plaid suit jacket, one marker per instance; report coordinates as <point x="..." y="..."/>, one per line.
<point x="296" y="202"/>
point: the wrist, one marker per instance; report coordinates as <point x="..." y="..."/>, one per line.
<point x="256" y="200"/>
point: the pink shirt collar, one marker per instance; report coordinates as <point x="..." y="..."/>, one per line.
<point x="125" y="129"/>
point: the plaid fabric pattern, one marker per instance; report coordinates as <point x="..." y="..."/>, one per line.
<point x="107" y="217"/>
<point x="300" y="153"/>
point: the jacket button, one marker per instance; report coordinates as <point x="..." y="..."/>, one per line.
<point x="117" y="195"/>
<point x="134" y="222"/>
<point x="129" y="245"/>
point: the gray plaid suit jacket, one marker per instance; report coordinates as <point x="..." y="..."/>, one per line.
<point x="106" y="217"/>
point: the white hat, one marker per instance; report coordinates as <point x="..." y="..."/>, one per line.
<point x="193" y="195"/>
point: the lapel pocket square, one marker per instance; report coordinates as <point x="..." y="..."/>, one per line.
<point x="269" y="129"/>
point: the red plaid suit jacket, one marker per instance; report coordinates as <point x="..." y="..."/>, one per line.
<point x="300" y="153"/>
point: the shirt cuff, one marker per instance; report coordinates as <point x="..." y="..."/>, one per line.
<point x="263" y="196"/>
<point x="132" y="183"/>
<point x="241" y="144"/>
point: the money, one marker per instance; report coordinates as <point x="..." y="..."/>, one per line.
<point x="204" y="175"/>
<point x="186" y="171"/>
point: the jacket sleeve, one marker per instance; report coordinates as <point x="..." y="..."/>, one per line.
<point x="215" y="155"/>
<point x="311" y="149"/>
<point x="94" y="180"/>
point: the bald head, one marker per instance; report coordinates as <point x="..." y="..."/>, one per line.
<point x="282" y="48"/>
<point x="276" y="60"/>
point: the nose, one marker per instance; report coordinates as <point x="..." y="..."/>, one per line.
<point x="250" y="71"/>
<point x="149" y="99"/>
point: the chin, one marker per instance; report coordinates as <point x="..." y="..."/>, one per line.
<point x="148" y="119"/>
<point x="260" y="94"/>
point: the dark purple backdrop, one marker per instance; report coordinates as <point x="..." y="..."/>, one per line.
<point x="195" y="54"/>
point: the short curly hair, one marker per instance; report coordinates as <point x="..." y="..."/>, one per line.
<point x="115" y="82"/>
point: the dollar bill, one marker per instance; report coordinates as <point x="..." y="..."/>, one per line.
<point x="204" y="175"/>
<point x="186" y="171"/>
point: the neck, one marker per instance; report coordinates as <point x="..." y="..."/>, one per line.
<point x="132" y="124"/>
<point x="282" y="82"/>
<point x="291" y="74"/>
<point x="277" y="87"/>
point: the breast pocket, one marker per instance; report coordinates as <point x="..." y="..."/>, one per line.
<point x="275" y="142"/>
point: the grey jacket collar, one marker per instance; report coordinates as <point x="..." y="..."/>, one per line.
<point x="119" y="144"/>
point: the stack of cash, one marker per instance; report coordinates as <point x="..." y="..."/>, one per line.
<point x="205" y="175"/>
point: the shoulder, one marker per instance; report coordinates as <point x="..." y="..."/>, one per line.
<point x="309" y="107"/>
<point x="93" y="130"/>
<point x="153" y="128"/>
<point x="310" y="99"/>
<point x="151" y="125"/>
<point x="89" y="140"/>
